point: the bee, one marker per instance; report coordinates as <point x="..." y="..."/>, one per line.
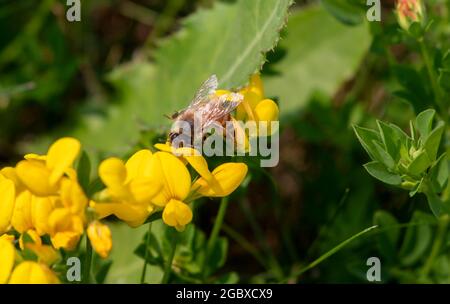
<point x="209" y="109"/>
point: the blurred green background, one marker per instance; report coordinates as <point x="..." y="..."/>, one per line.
<point x="110" y="78"/>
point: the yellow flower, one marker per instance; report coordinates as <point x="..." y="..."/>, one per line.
<point x="130" y="188"/>
<point x="42" y="174"/>
<point x="7" y="202"/>
<point x="41" y="208"/>
<point x="7" y="256"/>
<point x="65" y="228"/>
<point x="177" y="214"/>
<point x="72" y="196"/>
<point x="256" y="108"/>
<point x="21" y="218"/>
<point x="177" y="184"/>
<point x="100" y="237"/>
<point x="29" y="272"/>
<point x="229" y="176"/>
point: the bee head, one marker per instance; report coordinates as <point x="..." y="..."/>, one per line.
<point x="173" y="136"/>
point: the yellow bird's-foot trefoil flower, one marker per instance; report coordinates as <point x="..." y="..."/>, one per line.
<point x="100" y="237"/>
<point x="130" y="188"/>
<point x="42" y="174"/>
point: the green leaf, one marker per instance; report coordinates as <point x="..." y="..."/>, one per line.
<point x="384" y="156"/>
<point x="417" y="239"/>
<point x="218" y="255"/>
<point x="432" y="142"/>
<point x="228" y="278"/>
<point x="437" y="206"/>
<point x="424" y="122"/>
<point x="127" y="266"/>
<point x="367" y="138"/>
<point x="419" y="164"/>
<point x="388" y="238"/>
<point x="229" y="40"/>
<point x="444" y="80"/>
<point x="392" y="139"/>
<point x="348" y="12"/>
<point x="321" y="55"/>
<point x="439" y="173"/>
<point x="380" y="172"/>
<point x="84" y="172"/>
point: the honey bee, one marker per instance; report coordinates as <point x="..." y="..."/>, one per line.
<point x="208" y="108"/>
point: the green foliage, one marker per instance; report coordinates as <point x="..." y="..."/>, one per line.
<point x="189" y="256"/>
<point x="308" y="63"/>
<point x="409" y="162"/>
<point x="204" y="46"/>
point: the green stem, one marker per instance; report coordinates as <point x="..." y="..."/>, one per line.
<point x="274" y="265"/>
<point x="328" y="254"/>
<point x="245" y="244"/>
<point x="87" y="262"/>
<point x="433" y="79"/>
<point x="437" y="244"/>
<point x="147" y="243"/>
<point x="169" y="261"/>
<point x="214" y="234"/>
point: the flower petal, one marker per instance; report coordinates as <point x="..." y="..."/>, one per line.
<point x="36" y="176"/>
<point x="228" y="175"/>
<point x="139" y="164"/>
<point x="266" y="111"/>
<point x="32" y="273"/>
<point x="7" y="200"/>
<point x="177" y="214"/>
<point x="113" y="173"/>
<point x="100" y="237"/>
<point x="61" y="155"/>
<point x="21" y="218"/>
<point x="41" y="208"/>
<point x="7" y="254"/>
<point x="134" y="215"/>
<point x="174" y="176"/>
<point x="144" y="189"/>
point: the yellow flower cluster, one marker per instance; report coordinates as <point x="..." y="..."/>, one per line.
<point x="26" y="272"/>
<point x="41" y="196"/>
<point x="148" y="182"/>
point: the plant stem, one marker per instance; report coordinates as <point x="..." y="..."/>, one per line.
<point x="433" y="79"/>
<point x="328" y="254"/>
<point x="87" y="262"/>
<point x="275" y="266"/>
<point x="245" y="244"/>
<point x="169" y="261"/>
<point x="214" y="234"/>
<point x="437" y="244"/>
<point x="147" y="243"/>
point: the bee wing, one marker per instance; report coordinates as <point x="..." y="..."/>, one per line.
<point x="203" y="94"/>
<point x="221" y="106"/>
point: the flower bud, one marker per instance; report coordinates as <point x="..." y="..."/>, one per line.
<point x="100" y="236"/>
<point x="409" y="11"/>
